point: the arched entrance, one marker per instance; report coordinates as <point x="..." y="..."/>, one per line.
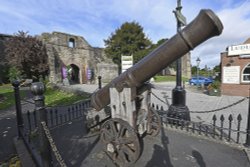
<point x="73" y="72"/>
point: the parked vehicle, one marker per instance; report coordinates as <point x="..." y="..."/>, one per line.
<point x="200" y="81"/>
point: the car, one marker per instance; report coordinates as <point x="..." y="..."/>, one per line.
<point x="200" y="81"/>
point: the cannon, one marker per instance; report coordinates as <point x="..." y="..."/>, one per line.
<point x="128" y="95"/>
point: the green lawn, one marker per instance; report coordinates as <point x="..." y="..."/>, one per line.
<point x="52" y="97"/>
<point x="7" y="96"/>
<point x="167" y="78"/>
<point x="55" y="97"/>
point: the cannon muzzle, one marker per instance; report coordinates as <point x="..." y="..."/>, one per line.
<point x="203" y="27"/>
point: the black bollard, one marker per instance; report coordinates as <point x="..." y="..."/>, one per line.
<point x="38" y="90"/>
<point x="99" y="82"/>
<point x="15" y="85"/>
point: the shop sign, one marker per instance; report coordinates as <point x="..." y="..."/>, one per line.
<point x="127" y="62"/>
<point x="231" y="75"/>
<point x="239" y="50"/>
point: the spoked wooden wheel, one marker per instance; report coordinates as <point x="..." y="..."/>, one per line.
<point x="154" y="122"/>
<point x="121" y="142"/>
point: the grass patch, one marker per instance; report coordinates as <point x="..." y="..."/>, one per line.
<point x="55" y="97"/>
<point x="167" y="78"/>
<point x="7" y="98"/>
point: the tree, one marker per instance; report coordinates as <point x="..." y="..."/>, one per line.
<point x="194" y="70"/>
<point x="27" y="54"/>
<point x="142" y="53"/>
<point x="129" y="39"/>
<point x="217" y="68"/>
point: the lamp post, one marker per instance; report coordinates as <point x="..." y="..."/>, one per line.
<point x="178" y="108"/>
<point x="198" y="63"/>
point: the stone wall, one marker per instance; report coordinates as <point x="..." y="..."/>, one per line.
<point x="106" y="71"/>
<point x="186" y="65"/>
<point x="62" y="51"/>
<point x="66" y="49"/>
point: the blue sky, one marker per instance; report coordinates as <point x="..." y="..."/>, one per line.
<point x="95" y="20"/>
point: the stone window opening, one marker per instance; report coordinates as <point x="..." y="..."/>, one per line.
<point x="246" y="74"/>
<point x="71" y="43"/>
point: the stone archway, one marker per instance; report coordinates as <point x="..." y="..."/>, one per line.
<point x="73" y="74"/>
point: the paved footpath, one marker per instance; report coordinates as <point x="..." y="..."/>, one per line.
<point x="8" y="132"/>
<point x="195" y="101"/>
<point x="198" y="101"/>
<point x="170" y="148"/>
<point x="173" y="148"/>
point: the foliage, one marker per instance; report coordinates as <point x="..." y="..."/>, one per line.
<point x="194" y="70"/>
<point x="14" y="74"/>
<point x="217" y="68"/>
<point x="215" y="85"/>
<point x="129" y="39"/>
<point x="4" y="69"/>
<point x="202" y="72"/>
<point x="214" y="88"/>
<point x="27" y="54"/>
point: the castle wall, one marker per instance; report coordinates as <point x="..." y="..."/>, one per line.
<point x="65" y="49"/>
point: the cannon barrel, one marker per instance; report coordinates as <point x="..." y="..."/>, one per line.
<point x="203" y="27"/>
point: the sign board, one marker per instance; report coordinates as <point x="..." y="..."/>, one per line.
<point x="231" y="75"/>
<point x="245" y="56"/>
<point x="127" y="62"/>
<point x="239" y="50"/>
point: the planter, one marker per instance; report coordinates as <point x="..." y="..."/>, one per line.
<point x="214" y="92"/>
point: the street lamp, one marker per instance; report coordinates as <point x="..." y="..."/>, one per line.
<point x="178" y="108"/>
<point x="198" y="63"/>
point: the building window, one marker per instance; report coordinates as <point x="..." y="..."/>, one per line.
<point x="246" y="74"/>
<point x="71" y="43"/>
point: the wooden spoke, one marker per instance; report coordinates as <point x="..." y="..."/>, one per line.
<point x="121" y="142"/>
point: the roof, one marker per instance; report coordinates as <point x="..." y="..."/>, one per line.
<point x="247" y="41"/>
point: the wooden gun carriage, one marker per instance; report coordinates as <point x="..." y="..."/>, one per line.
<point x="128" y="95"/>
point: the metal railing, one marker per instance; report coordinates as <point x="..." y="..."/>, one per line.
<point x="222" y="128"/>
<point x="30" y="127"/>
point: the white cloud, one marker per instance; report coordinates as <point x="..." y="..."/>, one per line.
<point x="236" y="21"/>
<point x="95" y="20"/>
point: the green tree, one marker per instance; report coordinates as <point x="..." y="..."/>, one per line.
<point x="27" y="54"/>
<point x="194" y="70"/>
<point x="129" y="39"/>
<point x="217" y="68"/>
<point x="14" y="74"/>
<point x="217" y="72"/>
<point x="142" y="53"/>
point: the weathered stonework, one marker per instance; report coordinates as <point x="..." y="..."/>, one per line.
<point x="186" y="65"/>
<point x="65" y="49"/>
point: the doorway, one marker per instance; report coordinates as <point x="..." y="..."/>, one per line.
<point x="73" y="72"/>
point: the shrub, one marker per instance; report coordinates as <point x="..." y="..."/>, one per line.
<point x="215" y="85"/>
<point x="14" y="74"/>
